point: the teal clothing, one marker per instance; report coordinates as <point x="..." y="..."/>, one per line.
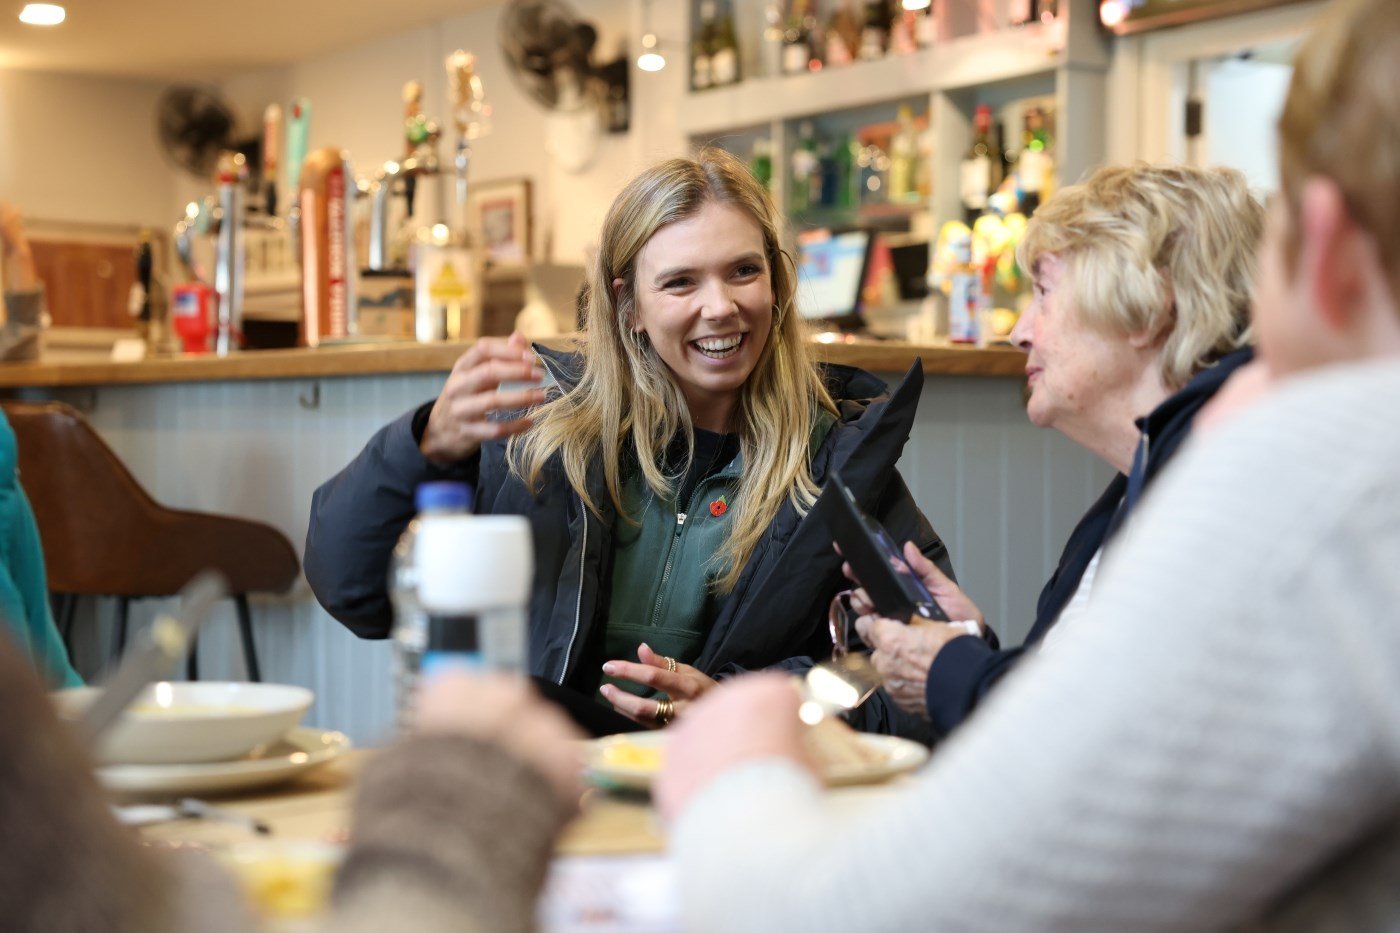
<point x="24" y="594"/>
<point x="664" y="567"/>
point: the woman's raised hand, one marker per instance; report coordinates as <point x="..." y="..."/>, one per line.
<point x="680" y="682"/>
<point x="459" y="422"/>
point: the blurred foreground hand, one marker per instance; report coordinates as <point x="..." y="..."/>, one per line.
<point x="506" y="711"/>
<point x="745" y="719"/>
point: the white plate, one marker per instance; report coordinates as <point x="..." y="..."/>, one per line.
<point x="296" y="753"/>
<point x="893" y="755"/>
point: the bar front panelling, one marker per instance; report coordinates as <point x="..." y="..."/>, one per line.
<point x="1003" y="494"/>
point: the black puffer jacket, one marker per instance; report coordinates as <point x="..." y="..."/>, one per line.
<point x="776" y="614"/>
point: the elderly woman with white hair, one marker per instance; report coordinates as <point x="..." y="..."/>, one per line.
<point x="1142" y="279"/>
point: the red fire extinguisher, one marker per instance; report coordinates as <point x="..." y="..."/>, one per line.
<point x="192" y="316"/>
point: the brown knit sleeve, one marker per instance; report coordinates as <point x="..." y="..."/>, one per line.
<point x="449" y="833"/>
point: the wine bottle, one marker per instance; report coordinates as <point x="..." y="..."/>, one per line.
<point x="797" y="38"/>
<point x="842" y="35"/>
<point x="904" y="158"/>
<point x="804" y="186"/>
<point x="761" y="161"/>
<point x="980" y="167"/>
<point x="724" y="54"/>
<point x="771" y="55"/>
<point x="1036" y="166"/>
<point x="701" y="50"/>
<point x="875" y="33"/>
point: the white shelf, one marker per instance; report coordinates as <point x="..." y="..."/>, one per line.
<point x="969" y="61"/>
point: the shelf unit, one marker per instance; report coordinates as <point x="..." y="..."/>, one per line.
<point x="1065" y="60"/>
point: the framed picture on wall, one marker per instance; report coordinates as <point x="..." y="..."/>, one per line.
<point x="500" y="219"/>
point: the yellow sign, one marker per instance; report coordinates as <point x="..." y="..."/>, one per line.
<point x="447" y="287"/>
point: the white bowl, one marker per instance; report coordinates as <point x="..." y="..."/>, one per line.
<point x="175" y="722"/>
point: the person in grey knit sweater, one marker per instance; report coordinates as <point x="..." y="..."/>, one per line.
<point x="1216" y="742"/>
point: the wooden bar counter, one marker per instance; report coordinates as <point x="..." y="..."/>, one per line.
<point x="366" y="359"/>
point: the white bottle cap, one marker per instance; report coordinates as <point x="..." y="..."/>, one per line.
<point x="468" y="563"/>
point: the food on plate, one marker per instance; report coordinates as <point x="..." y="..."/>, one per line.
<point x="175" y="710"/>
<point x="835" y="748"/>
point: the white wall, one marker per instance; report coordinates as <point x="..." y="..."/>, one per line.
<point x="356" y="105"/>
<point x="1243" y="100"/>
<point x="84" y="149"/>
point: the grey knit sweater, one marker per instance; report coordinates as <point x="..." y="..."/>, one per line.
<point x="1215" y="744"/>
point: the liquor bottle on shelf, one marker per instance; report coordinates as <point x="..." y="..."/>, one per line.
<point x="847" y="181"/>
<point x="724" y="53"/>
<point x="904" y="159"/>
<point x="804" y="183"/>
<point x="771" y="52"/>
<point x="903" y="40"/>
<point x="875" y="32"/>
<point x="702" y="50"/>
<point x="874" y="167"/>
<point x="925" y="27"/>
<point x="828" y="184"/>
<point x="798" y="37"/>
<point x="965" y="294"/>
<point x="761" y="161"/>
<point x="1036" y="167"/>
<point x="923" y="173"/>
<point x="978" y="176"/>
<point x="842" y="35"/>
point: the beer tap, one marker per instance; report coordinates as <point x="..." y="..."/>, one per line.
<point x="471" y="119"/>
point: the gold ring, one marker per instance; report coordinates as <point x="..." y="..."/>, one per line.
<point x="665" y="710"/>
<point x="670" y="663"/>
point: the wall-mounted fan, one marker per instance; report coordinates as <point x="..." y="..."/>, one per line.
<point x="550" y="52"/>
<point x="194" y="125"/>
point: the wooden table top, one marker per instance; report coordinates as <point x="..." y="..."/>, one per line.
<point x="317" y="807"/>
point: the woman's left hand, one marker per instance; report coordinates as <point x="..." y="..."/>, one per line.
<point x="680" y="682"/>
<point x="903" y="654"/>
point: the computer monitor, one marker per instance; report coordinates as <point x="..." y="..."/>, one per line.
<point x="831" y="274"/>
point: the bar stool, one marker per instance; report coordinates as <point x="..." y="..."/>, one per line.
<point x="103" y="535"/>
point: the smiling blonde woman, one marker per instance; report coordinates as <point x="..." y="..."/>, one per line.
<point x="668" y="471"/>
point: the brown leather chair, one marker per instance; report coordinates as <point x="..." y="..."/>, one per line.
<point x="103" y="535"/>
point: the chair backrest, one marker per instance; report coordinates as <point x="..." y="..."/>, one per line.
<point x="103" y="534"/>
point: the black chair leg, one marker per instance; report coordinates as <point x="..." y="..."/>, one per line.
<point x="245" y="630"/>
<point x="119" y="632"/>
<point x="192" y="659"/>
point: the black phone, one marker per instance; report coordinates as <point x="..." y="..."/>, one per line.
<point x="876" y="559"/>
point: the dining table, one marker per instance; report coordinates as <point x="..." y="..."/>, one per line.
<point x="316" y="806"/>
<point x="610" y="871"/>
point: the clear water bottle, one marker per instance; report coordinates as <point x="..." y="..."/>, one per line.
<point x="410" y="621"/>
<point x="474" y="576"/>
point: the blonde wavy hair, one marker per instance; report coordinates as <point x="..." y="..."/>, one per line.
<point x="628" y="403"/>
<point x="1341" y="120"/>
<point x="1157" y="249"/>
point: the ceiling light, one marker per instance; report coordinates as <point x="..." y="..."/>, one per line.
<point x="42" y="14"/>
<point x="651" y="58"/>
<point x="1112" y="12"/>
<point x="916" y="4"/>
